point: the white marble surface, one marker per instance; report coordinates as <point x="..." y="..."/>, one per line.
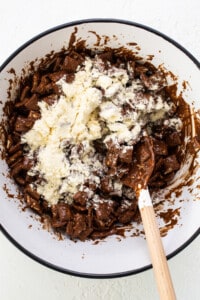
<point x="22" y="278"/>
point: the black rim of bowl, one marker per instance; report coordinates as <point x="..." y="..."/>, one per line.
<point x="37" y="37"/>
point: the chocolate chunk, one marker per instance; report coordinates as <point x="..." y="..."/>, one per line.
<point x="23" y="124"/>
<point x="139" y="70"/>
<point x="99" y="146"/>
<point x="33" y="115"/>
<point x="70" y="64"/>
<point x="24" y="92"/>
<point x="28" y="103"/>
<point x="80" y="198"/>
<point x="70" y="78"/>
<point x="142" y="166"/>
<point x="33" y="203"/>
<point x="55" y="223"/>
<point x="45" y="86"/>
<point x="50" y="99"/>
<point x="56" y="75"/>
<point x="126" y="211"/>
<point x="14" y="148"/>
<point x="35" y="82"/>
<point x="173" y="139"/>
<point x="156" y="180"/>
<point x="14" y="157"/>
<point x="61" y="213"/>
<point x="54" y="211"/>
<point x="76" y="227"/>
<point x="33" y="193"/>
<point x="104" y="214"/>
<point x="126" y="154"/>
<point x="106" y="56"/>
<point x="22" y="166"/>
<point x="112" y="156"/>
<point x="106" y="185"/>
<point x="142" y="153"/>
<point x="126" y="217"/>
<point x="170" y="164"/>
<point x="64" y="212"/>
<point x="121" y="170"/>
<point x="96" y="234"/>
<point x="159" y="147"/>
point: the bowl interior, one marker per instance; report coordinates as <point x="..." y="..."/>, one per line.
<point x="112" y="257"/>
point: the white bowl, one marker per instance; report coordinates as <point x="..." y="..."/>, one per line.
<point x="112" y="257"/>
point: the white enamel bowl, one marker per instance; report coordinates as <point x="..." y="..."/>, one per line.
<point x="111" y="258"/>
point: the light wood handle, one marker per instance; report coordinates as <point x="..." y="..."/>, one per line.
<point x="158" y="257"/>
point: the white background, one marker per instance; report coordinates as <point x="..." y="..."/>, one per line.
<point x="22" y="278"/>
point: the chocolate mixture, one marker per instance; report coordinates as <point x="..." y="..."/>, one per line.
<point x="98" y="208"/>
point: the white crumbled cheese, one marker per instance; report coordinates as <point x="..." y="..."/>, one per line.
<point x="174" y="123"/>
<point x="104" y="81"/>
<point x="96" y="105"/>
<point x="110" y="112"/>
<point x="112" y="90"/>
<point x="120" y="132"/>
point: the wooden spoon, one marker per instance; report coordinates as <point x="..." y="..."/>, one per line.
<point x="137" y="179"/>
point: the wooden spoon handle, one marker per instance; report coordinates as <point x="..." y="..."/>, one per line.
<point x="158" y="257"/>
